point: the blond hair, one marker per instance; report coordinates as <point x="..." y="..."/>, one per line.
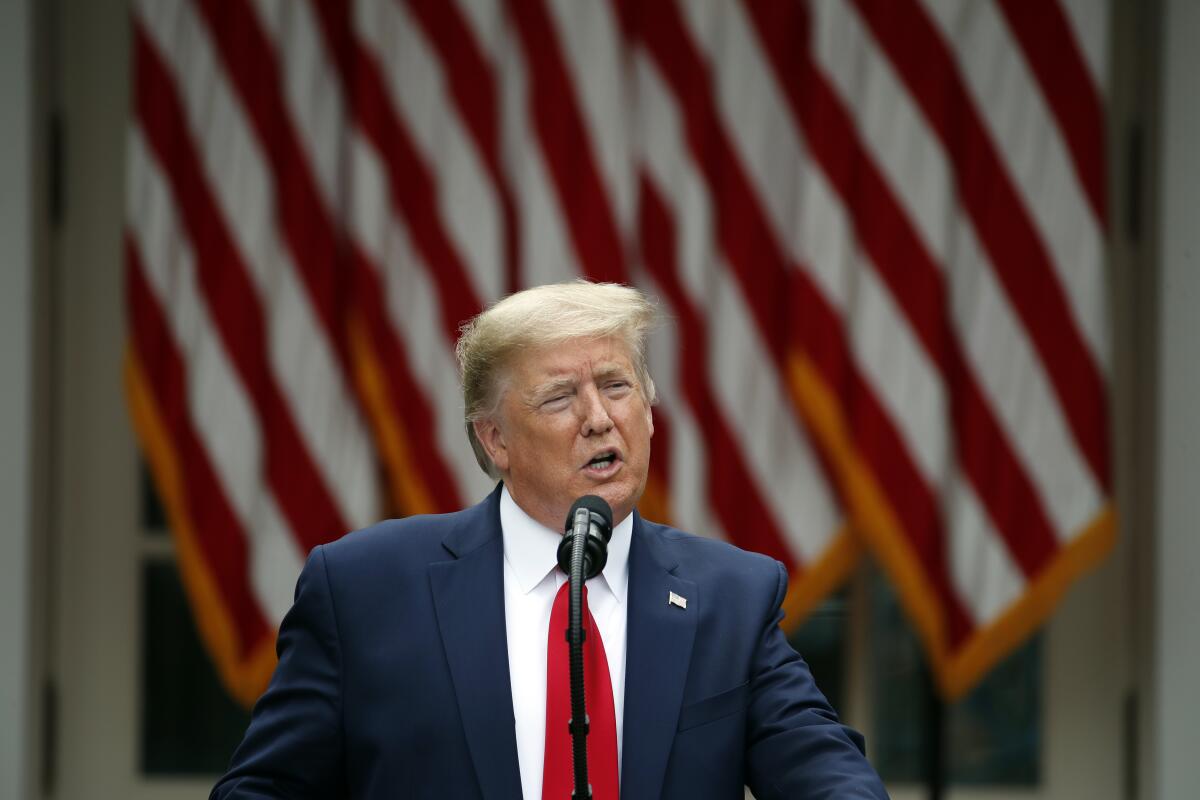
<point x="540" y="317"/>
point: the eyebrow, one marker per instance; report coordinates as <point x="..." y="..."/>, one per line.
<point x="551" y="387"/>
<point x="610" y="370"/>
<point x="601" y="373"/>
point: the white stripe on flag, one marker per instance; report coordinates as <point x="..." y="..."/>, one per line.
<point x="312" y="91"/>
<point x="996" y="346"/>
<point x="752" y="112"/>
<point x="547" y="255"/>
<point x="1018" y="392"/>
<point x="887" y="120"/>
<point x="299" y="352"/>
<point x="593" y="53"/>
<point x="1028" y="140"/>
<point x="747" y="386"/>
<point x="222" y="414"/>
<point x="981" y="570"/>
<point x="467" y="202"/>
<point x="413" y="308"/>
<point x="1089" y="20"/>
<point x="688" y="456"/>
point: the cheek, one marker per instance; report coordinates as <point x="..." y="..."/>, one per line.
<point x="550" y="443"/>
<point x="638" y="430"/>
<point x="642" y="416"/>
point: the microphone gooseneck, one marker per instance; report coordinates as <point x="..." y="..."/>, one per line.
<point x="582" y="553"/>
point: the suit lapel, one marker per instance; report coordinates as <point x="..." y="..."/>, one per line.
<point x="468" y="593"/>
<point x="658" y="651"/>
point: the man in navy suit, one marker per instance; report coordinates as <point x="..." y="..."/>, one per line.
<point x="414" y="660"/>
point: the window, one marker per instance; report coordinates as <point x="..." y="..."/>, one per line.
<point x="992" y="735"/>
<point x="189" y="725"/>
<point x="821" y="640"/>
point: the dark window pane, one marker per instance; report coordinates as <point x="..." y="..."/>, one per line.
<point x="992" y="735"/>
<point x="821" y="641"/>
<point x="900" y="708"/>
<point x="189" y="724"/>
<point x="995" y="730"/>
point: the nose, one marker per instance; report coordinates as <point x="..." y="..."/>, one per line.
<point x="595" y="414"/>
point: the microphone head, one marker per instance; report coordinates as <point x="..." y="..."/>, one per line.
<point x="598" y="516"/>
<point x="597" y="506"/>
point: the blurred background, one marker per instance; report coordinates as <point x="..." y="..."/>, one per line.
<point x="928" y="270"/>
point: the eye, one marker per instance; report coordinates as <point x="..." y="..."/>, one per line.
<point x="555" y="403"/>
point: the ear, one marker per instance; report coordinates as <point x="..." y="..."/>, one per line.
<point x="492" y="439"/>
<point x="648" y="392"/>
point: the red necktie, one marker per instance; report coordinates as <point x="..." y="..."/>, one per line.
<point x="557" y="775"/>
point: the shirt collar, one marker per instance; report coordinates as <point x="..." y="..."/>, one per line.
<point x="531" y="549"/>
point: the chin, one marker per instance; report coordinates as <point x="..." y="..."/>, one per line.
<point x="619" y="498"/>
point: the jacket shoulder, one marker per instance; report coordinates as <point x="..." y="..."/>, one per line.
<point x="410" y="542"/>
<point x="389" y="535"/>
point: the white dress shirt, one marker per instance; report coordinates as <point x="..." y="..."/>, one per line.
<point x="531" y="580"/>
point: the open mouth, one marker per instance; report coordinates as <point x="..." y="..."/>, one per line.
<point x="602" y="462"/>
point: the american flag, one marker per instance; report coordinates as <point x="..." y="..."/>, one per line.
<point x="877" y="228"/>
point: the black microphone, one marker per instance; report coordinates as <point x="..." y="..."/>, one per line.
<point x="582" y="553"/>
<point x="590" y="518"/>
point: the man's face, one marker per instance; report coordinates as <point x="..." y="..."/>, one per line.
<point x="573" y="420"/>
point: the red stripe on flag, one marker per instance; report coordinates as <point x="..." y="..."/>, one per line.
<point x="917" y="284"/>
<point x="221" y="535"/>
<point x="731" y="490"/>
<point x="413" y="189"/>
<point x="252" y="66"/>
<point x="404" y="392"/>
<point x="230" y="296"/>
<point x="743" y="233"/>
<point x="761" y="267"/>
<point x="1001" y="220"/>
<point x="1049" y="43"/>
<point x="473" y="87"/>
<point x="566" y="143"/>
<point x="914" y="280"/>
<point x="876" y="439"/>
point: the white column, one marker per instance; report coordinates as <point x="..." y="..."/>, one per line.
<point x="1176" y="701"/>
<point x="17" y="686"/>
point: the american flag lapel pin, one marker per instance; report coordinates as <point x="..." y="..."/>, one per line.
<point x="675" y="600"/>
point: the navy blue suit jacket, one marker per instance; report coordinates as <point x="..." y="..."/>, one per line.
<point x="393" y="676"/>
